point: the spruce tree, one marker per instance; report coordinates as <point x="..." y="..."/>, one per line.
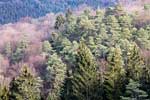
<point x="133" y="92"/>
<point x="134" y="62"/>
<point x="8" y="49"/>
<point x="113" y="29"/>
<point x="25" y="87"/>
<point x="4" y="93"/>
<point x="84" y="79"/>
<point x="60" y="20"/>
<point x="115" y="76"/>
<point x="56" y="74"/>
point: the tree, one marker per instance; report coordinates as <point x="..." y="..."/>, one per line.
<point x="17" y="56"/>
<point x="113" y="29"/>
<point x="8" y="49"/>
<point x="85" y="26"/>
<point x="56" y="74"/>
<point x="134" y="62"/>
<point x="47" y="48"/>
<point x="85" y="83"/>
<point x="141" y="37"/>
<point x="70" y="25"/>
<point x="4" y="93"/>
<point x="19" y="52"/>
<point x="133" y="92"/>
<point x="115" y="76"/>
<point x="145" y="80"/>
<point x="60" y="20"/>
<point x="25" y="86"/>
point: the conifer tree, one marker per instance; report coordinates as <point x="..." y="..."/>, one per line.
<point x="145" y="80"/>
<point x="114" y="77"/>
<point x="113" y="29"/>
<point x="25" y="86"/>
<point x="70" y="25"/>
<point x="134" y="62"/>
<point x="133" y="92"/>
<point x="47" y="48"/>
<point x="8" y="50"/>
<point x="84" y="80"/>
<point x="19" y="53"/>
<point x="59" y="21"/>
<point x="56" y="74"/>
<point x="4" y="93"/>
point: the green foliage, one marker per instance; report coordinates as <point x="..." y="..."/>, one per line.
<point x="19" y="52"/>
<point x="59" y="21"/>
<point x="47" y="48"/>
<point x="134" y="62"/>
<point x="142" y="38"/>
<point x="108" y="58"/>
<point x="4" y="92"/>
<point x="84" y="79"/>
<point x="8" y="49"/>
<point x="56" y="74"/>
<point x="147" y="7"/>
<point x="133" y="92"/>
<point x="115" y="76"/>
<point x="25" y="86"/>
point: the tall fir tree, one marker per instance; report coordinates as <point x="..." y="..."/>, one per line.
<point x="115" y="76"/>
<point x="56" y="74"/>
<point x="133" y="92"/>
<point x="60" y="20"/>
<point x="26" y="86"/>
<point x="85" y="83"/>
<point x="134" y="62"/>
<point x="4" y="93"/>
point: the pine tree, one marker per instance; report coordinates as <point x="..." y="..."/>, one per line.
<point x="145" y="80"/>
<point x="56" y="74"/>
<point x="134" y="62"/>
<point x="113" y="29"/>
<point x="59" y="21"/>
<point x="142" y="38"/>
<point x="47" y="48"/>
<point x="19" y="53"/>
<point x="4" y="93"/>
<point x="84" y="79"/>
<point x="114" y="77"/>
<point x="25" y="86"/>
<point x="85" y="26"/>
<point x="133" y="92"/>
<point x="8" y="49"/>
<point x="70" y="25"/>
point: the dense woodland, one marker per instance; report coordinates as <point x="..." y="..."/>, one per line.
<point x="100" y="55"/>
<point x="13" y="10"/>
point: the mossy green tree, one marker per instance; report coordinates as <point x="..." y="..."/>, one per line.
<point x="26" y="86"/>
<point x="133" y="92"/>
<point x="114" y="76"/>
<point x="56" y="74"/>
<point x="60" y="20"/>
<point x="85" y="83"/>
<point x="134" y="62"/>
<point x="4" y="93"/>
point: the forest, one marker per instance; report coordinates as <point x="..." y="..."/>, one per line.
<point x="101" y="54"/>
<point x="14" y="10"/>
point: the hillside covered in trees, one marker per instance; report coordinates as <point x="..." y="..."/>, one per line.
<point x="13" y="10"/>
<point x="92" y="55"/>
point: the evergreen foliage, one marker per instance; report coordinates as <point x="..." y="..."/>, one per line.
<point x="56" y="74"/>
<point x="4" y="92"/>
<point x="134" y="63"/>
<point x="25" y="86"/>
<point x="115" y="77"/>
<point x="133" y="92"/>
<point x="84" y="79"/>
